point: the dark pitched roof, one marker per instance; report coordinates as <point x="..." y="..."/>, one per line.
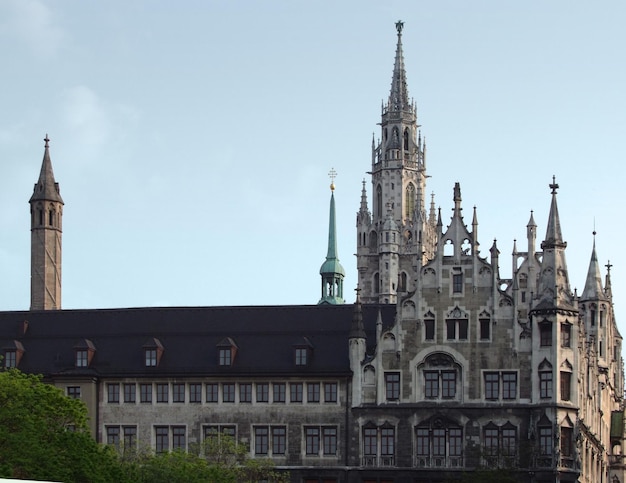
<point x="265" y="337"/>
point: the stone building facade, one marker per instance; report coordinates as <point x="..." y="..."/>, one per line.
<point x="441" y="367"/>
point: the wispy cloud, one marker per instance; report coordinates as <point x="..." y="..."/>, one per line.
<point x="33" y="24"/>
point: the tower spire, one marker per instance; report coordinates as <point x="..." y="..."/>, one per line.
<point x="331" y="270"/>
<point x="399" y="95"/>
<point x="593" y="284"/>
<point x="46" y="213"/>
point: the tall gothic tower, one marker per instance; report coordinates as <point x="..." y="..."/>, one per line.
<point x="46" y="215"/>
<point x="398" y="237"/>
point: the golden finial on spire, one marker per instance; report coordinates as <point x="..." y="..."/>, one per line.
<point x="332" y="174"/>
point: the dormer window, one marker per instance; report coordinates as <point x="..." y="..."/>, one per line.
<point x="227" y="351"/>
<point x="84" y="351"/>
<point x="81" y="358"/>
<point x="13" y="354"/>
<point x="153" y="351"/>
<point x="303" y="352"/>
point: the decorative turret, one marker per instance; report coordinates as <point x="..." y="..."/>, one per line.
<point x="46" y="214"/>
<point x="554" y="288"/>
<point x="593" y="284"/>
<point x="331" y="270"/>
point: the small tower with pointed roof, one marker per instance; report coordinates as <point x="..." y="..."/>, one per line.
<point x="331" y="270"/>
<point x="46" y="216"/>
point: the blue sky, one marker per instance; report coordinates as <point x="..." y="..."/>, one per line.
<point x="192" y="143"/>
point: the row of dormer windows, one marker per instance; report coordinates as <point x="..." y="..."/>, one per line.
<point x="84" y="352"/>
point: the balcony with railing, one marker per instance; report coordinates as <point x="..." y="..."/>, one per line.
<point x="375" y="460"/>
<point x="438" y="461"/>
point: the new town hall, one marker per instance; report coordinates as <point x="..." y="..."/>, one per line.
<point x="441" y="367"/>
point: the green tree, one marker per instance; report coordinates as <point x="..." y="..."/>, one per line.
<point x="220" y="459"/>
<point x="44" y="435"/>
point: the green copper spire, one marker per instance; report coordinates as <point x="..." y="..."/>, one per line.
<point x="331" y="270"/>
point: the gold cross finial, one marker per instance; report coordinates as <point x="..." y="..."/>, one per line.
<point x="332" y="174"/>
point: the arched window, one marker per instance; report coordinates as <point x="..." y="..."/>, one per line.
<point x="439" y="443"/>
<point x="376" y="283"/>
<point x="409" y="202"/>
<point x="379" y="202"/>
<point x="406" y="139"/>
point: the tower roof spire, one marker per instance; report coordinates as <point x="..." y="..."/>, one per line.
<point x="554" y="238"/>
<point x="46" y="187"/>
<point x="399" y="95"/>
<point x="331" y="270"/>
<point x="593" y="284"/>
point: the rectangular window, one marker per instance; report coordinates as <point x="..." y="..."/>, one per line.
<point x="262" y="392"/>
<point x="492" y="385"/>
<point x="228" y="392"/>
<point x="312" y="441"/>
<point x="545" y="441"/>
<point x="423" y="442"/>
<point x="463" y="329"/>
<point x="509" y="442"/>
<point x="491" y="442"/>
<point x="509" y="385"/>
<point x="278" y="389"/>
<point x="330" y="441"/>
<point x="457" y="283"/>
<point x="566" y="441"/>
<point x="212" y="392"/>
<point x="429" y="326"/>
<point x="545" y="385"/>
<point x="130" y="393"/>
<point x="151" y="357"/>
<point x="455" y="442"/>
<point x="225" y="357"/>
<point x="370" y="442"/>
<point x="330" y="392"/>
<point x="10" y="359"/>
<point x="392" y="386"/>
<point x="195" y="392"/>
<point x="439" y="442"/>
<point x="162" y="392"/>
<point x="162" y="439"/>
<point x="113" y="393"/>
<point x="261" y="440"/>
<point x="178" y="392"/>
<point x="485" y="326"/>
<point x="566" y="383"/>
<point x="130" y="438"/>
<point x="448" y="384"/>
<point x="245" y="392"/>
<point x="73" y="392"/>
<point x="451" y="329"/>
<point x="313" y="392"/>
<point x="279" y="440"/>
<point x="545" y="335"/>
<point x="301" y="353"/>
<point x="295" y="389"/>
<point x="431" y="384"/>
<point x="81" y="358"/>
<point x="113" y="435"/>
<point x="566" y="335"/>
<point x="179" y="439"/>
<point x="387" y="440"/>
<point x="145" y="393"/>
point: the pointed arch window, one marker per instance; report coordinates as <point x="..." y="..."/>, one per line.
<point x="379" y="202"/>
<point x="429" y="326"/>
<point x="409" y="202"/>
<point x="545" y="380"/>
<point x="405" y="138"/>
<point x="545" y="333"/>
